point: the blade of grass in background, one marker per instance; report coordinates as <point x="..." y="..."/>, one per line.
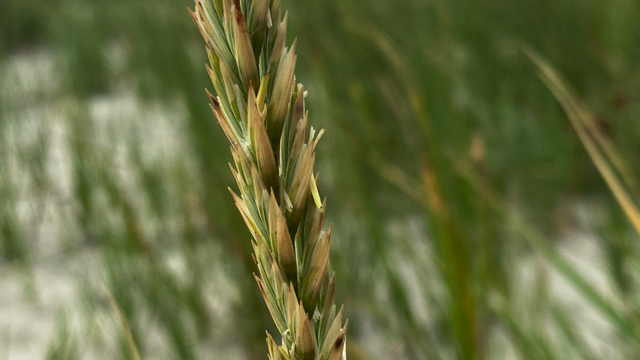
<point x="604" y="305"/>
<point x="126" y="331"/>
<point x="600" y="149"/>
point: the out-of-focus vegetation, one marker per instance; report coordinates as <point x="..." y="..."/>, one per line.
<point x="450" y="168"/>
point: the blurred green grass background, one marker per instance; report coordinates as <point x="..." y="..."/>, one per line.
<point x="470" y="223"/>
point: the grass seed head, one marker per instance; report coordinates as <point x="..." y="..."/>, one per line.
<point x="274" y="156"/>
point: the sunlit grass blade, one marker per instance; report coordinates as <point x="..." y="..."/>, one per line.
<point x="126" y="330"/>
<point x="600" y="149"/>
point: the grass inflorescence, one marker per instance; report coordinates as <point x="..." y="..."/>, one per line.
<point x="262" y="111"/>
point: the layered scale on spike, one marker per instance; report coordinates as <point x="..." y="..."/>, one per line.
<point x="261" y="110"/>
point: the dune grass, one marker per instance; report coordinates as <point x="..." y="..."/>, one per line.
<point x="448" y="166"/>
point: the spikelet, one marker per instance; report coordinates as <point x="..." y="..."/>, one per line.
<point x="262" y="112"/>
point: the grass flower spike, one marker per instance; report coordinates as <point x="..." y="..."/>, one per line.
<point x="261" y="109"/>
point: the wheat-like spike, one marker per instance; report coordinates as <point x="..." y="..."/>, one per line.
<point x="262" y="112"/>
